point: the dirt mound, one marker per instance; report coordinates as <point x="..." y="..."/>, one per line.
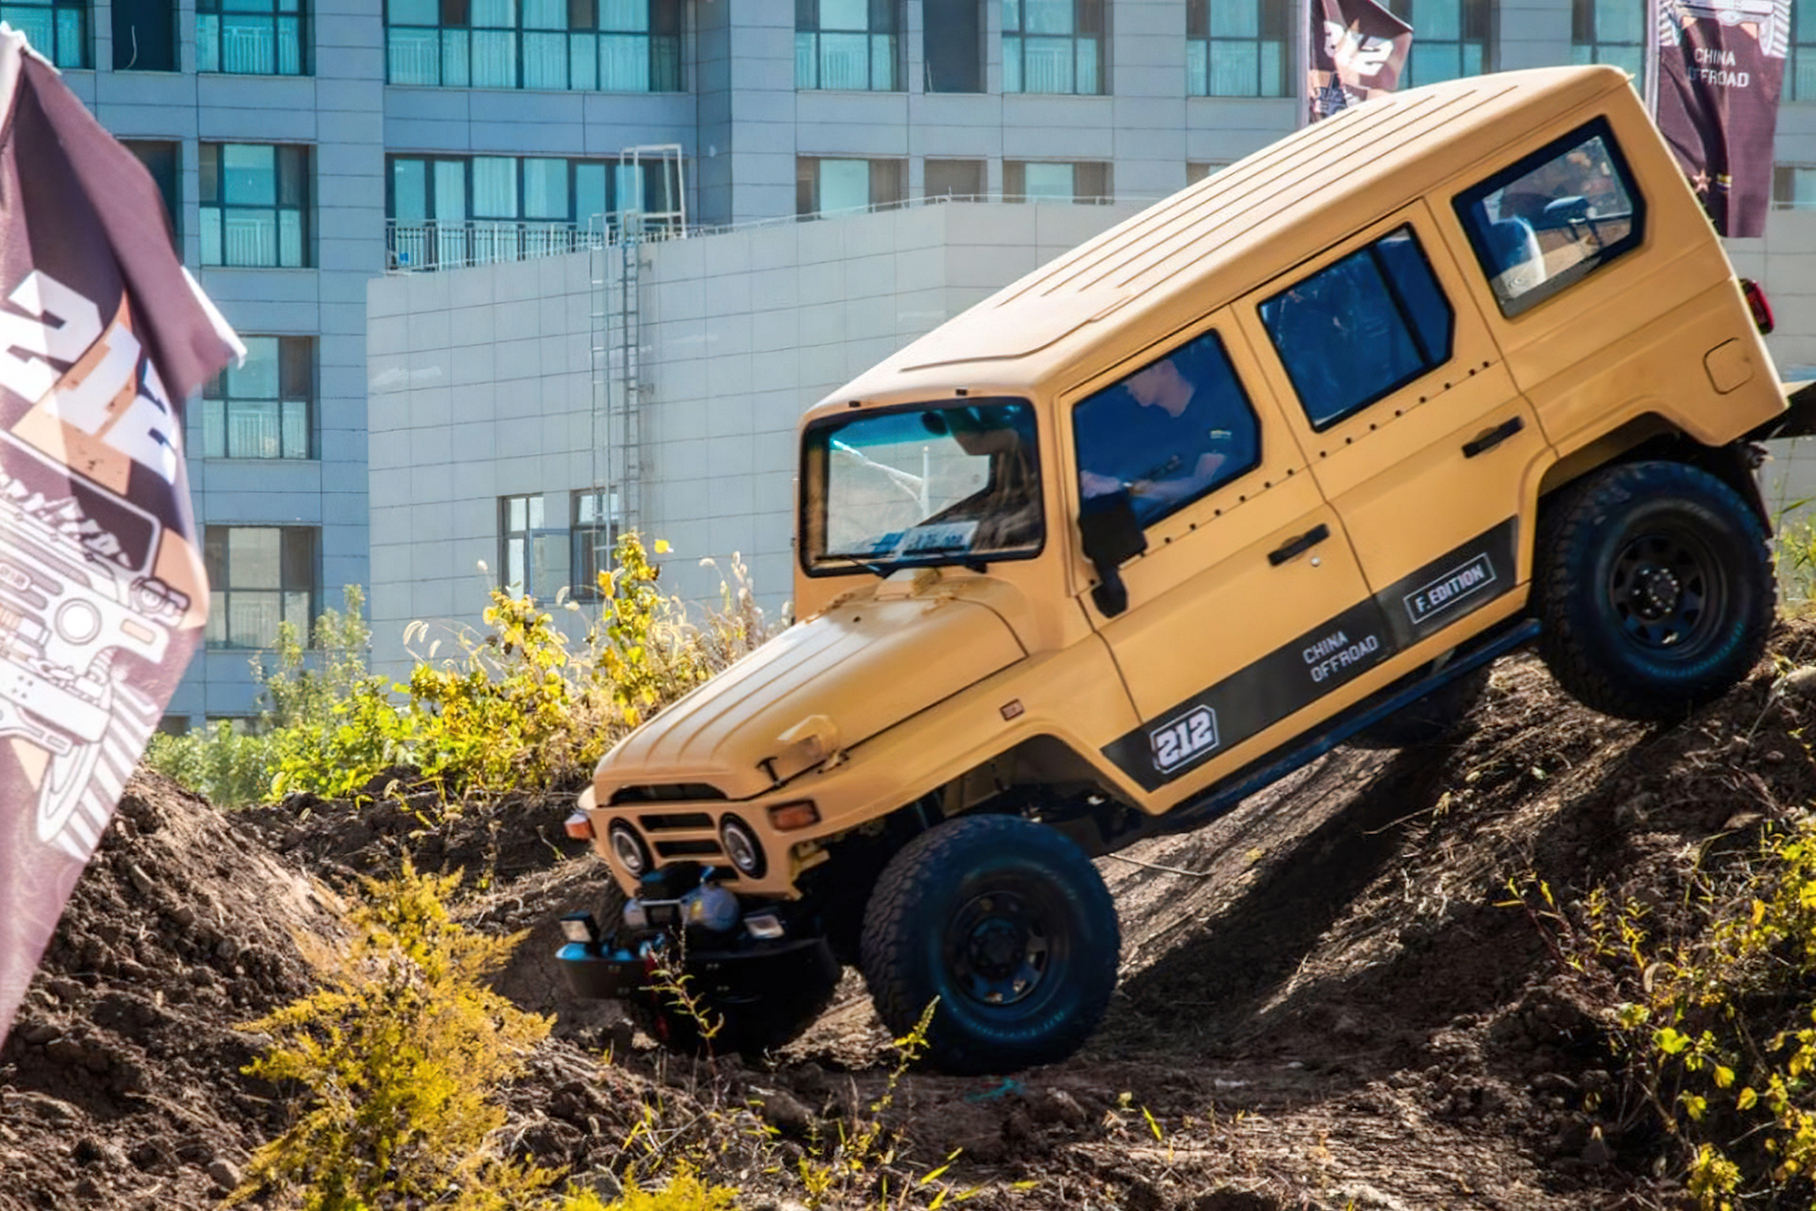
<point x="1330" y="997"/>
<point x="120" y="1077"/>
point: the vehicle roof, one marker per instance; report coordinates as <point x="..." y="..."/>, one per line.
<point x="1232" y="231"/>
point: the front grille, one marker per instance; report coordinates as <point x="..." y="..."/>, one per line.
<point x="670" y="792"/>
<point x="690" y="821"/>
<point x="687" y="849"/>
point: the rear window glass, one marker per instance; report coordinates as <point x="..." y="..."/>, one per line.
<point x="1360" y="328"/>
<point x="1554" y="218"/>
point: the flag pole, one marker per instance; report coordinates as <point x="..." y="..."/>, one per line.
<point x="1304" y="44"/>
<point x="1656" y="10"/>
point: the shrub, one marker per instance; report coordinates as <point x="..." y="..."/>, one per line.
<point x="400" y="1054"/>
<point x="518" y="706"/>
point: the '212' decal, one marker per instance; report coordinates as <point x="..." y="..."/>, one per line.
<point x="1184" y="739"/>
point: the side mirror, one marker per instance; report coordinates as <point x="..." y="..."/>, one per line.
<point x="1111" y="537"/>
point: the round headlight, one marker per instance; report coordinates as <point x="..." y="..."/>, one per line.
<point x="628" y="848"/>
<point x="742" y="847"/>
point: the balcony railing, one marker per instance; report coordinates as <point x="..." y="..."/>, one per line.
<point x="415" y="247"/>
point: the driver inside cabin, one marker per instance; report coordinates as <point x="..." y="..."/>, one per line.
<point x="1167" y="433"/>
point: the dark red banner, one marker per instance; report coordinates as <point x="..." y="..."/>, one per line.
<point x="1358" y="51"/>
<point x="102" y="593"/>
<point x="1720" y="70"/>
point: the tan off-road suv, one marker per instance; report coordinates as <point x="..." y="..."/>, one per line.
<point x="1282" y="462"/>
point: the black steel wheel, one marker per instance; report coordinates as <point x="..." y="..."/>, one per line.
<point x="1007" y="925"/>
<point x="1654" y="582"/>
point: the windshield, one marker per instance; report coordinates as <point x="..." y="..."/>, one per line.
<point x="956" y="484"/>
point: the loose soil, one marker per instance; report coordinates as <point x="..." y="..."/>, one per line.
<point x="1329" y="998"/>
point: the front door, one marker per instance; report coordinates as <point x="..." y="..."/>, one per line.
<point x="1248" y="604"/>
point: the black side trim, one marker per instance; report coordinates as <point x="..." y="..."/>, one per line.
<point x="1323" y="659"/>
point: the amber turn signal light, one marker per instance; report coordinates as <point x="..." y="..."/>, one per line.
<point x="580" y="826"/>
<point x="789" y="816"/>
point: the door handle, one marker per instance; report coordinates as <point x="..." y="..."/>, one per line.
<point x="1492" y="438"/>
<point x="1299" y="545"/>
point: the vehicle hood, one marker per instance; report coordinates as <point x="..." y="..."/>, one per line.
<point x="817" y="689"/>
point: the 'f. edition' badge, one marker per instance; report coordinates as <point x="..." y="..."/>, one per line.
<point x="1183" y="740"/>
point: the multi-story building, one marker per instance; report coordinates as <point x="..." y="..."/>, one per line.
<point x="307" y="146"/>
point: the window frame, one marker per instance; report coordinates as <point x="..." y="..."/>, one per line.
<point x="609" y="522"/>
<point x="888" y="173"/>
<point x="1466" y="200"/>
<point x="1477" y="14"/>
<point x="211" y="197"/>
<point x="277" y="14"/>
<point x="57" y="12"/>
<point x="1798" y="49"/>
<point x="296" y="377"/>
<point x="809" y="15"/>
<point x="1200" y="75"/>
<point x="1015" y="182"/>
<point x="535" y="503"/>
<point x="217" y="558"/>
<point x="663" y="31"/>
<point x="1090" y="22"/>
<point x="1129" y="370"/>
<point x="1431" y="361"/>
<point x="1587" y="46"/>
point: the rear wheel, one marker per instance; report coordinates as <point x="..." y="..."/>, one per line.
<point x="1655" y="586"/>
<point x="698" y="1016"/>
<point x="1007" y="925"/>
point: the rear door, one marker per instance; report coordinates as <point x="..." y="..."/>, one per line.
<point x="1410" y="421"/>
<point x="1248" y="605"/>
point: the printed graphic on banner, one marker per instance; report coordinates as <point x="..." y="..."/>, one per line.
<point x="102" y="594"/>
<point x="1721" y="67"/>
<point x="1358" y="50"/>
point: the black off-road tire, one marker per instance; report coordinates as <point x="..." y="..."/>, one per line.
<point x="1438" y="718"/>
<point x="1654" y="583"/>
<point x="747" y="1027"/>
<point x="1008" y="925"/>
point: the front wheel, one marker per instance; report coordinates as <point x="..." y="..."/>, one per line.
<point x="1655" y="587"/>
<point x="1007" y="925"/>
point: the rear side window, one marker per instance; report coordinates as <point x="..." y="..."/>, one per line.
<point x="1554" y="218"/>
<point x="1361" y="328"/>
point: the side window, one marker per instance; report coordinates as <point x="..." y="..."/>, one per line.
<point x="1361" y="328"/>
<point x="1553" y="218"/>
<point x="1169" y="432"/>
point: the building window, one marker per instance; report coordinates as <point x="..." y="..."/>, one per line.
<point x="826" y="186"/>
<point x="259" y="578"/>
<point x="591" y="45"/>
<point x="1053" y="46"/>
<point x="163" y="161"/>
<point x="260" y="409"/>
<point x="1237" y="48"/>
<point x="144" y="35"/>
<point x="1793" y="187"/>
<point x="593" y="536"/>
<point x="532" y="557"/>
<point x="955" y="179"/>
<point x="1198" y="170"/>
<point x="57" y="29"/>
<point x="255" y="205"/>
<point x="1800" y="72"/>
<point x="1609" y="31"/>
<point x="1045" y="181"/>
<point x="250" y="37"/>
<point x="1450" y="39"/>
<point x="459" y="210"/>
<point x="952" y="45"/>
<point x="848" y="44"/>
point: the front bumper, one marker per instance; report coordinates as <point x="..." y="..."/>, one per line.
<point x="733" y="975"/>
